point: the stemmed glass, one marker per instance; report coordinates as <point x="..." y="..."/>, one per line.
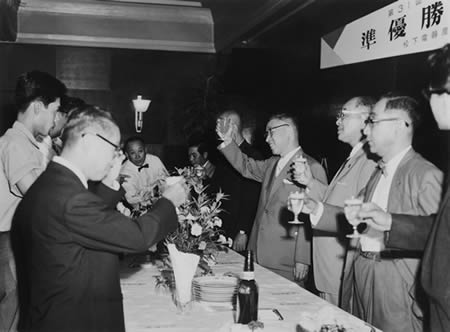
<point x="351" y="208"/>
<point x="295" y="199"/>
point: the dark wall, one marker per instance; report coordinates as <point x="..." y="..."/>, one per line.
<point x="289" y="79"/>
<point x="111" y="78"/>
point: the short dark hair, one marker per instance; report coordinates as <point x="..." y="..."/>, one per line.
<point x="202" y="147"/>
<point x="37" y="86"/>
<point x="283" y="116"/>
<point x="133" y="139"/>
<point x="86" y="116"/>
<point x="439" y="63"/>
<point x="365" y="101"/>
<point x="404" y="103"/>
<point x="70" y="103"/>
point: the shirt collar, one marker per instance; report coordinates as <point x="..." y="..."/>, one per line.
<point x="355" y="149"/>
<point x="289" y="155"/>
<point x="392" y="164"/>
<point x="20" y="127"/>
<point x="73" y="168"/>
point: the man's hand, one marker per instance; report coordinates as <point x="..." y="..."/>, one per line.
<point x="301" y="173"/>
<point x="240" y="242"/>
<point x="224" y="130"/>
<point x="375" y="217"/>
<point x="310" y="205"/>
<point x="113" y="174"/>
<point x="177" y="193"/>
<point x="300" y="271"/>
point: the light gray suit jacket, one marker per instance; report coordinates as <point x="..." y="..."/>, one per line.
<point x="329" y="248"/>
<point x="416" y="190"/>
<point x="276" y="244"/>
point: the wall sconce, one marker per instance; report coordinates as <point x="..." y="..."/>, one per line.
<point x="140" y="106"/>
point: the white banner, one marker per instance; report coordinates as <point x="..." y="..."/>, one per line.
<point x="403" y="27"/>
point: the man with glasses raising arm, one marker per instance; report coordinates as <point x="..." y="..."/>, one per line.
<point x="67" y="238"/>
<point x="277" y="244"/>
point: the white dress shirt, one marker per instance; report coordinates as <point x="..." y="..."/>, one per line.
<point x="284" y="160"/>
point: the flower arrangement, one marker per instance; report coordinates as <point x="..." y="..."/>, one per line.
<point x="199" y="230"/>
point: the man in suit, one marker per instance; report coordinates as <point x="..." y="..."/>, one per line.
<point x="278" y="245"/>
<point x="384" y="281"/>
<point x="329" y="248"/>
<point x="412" y="232"/>
<point x="198" y="157"/>
<point x="240" y="209"/>
<point x="38" y="97"/>
<point x="66" y="238"/>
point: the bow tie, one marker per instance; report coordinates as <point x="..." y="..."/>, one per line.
<point x="141" y="167"/>
<point x="382" y="166"/>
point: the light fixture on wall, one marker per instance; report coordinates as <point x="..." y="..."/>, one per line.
<point x="140" y="106"/>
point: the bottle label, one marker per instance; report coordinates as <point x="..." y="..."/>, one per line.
<point x="248" y="275"/>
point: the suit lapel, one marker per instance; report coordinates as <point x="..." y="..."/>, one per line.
<point x="277" y="181"/>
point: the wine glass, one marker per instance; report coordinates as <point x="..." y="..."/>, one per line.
<point x="298" y="166"/>
<point x="351" y="209"/>
<point x="296" y="205"/>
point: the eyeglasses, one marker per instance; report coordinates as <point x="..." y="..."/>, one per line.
<point x="427" y="92"/>
<point x="117" y="148"/>
<point x="372" y="122"/>
<point x="344" y="114"/>
<point x="269" y="131"/>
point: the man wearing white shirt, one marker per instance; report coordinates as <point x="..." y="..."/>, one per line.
<point x="384" y="282"/>
<point x="38" y="97"/>
<point x="143" y="172"/>
<point x="278" y="245"/>
<point x="330" y="248"/>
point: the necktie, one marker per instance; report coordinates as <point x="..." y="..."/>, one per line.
<point x="141" y="167"/>
<point x="373" y="181"/>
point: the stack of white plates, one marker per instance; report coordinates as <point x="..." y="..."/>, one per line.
<point x="215" y="288"/>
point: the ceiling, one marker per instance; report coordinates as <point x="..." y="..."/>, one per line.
<point x="185" y="25"/>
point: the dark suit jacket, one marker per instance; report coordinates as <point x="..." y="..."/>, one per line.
<point x="419" y="233"/>
<point x="66" y="240"/>
<point x="240" y="207"/>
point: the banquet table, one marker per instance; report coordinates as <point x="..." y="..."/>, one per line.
<point x="147" y="309"/>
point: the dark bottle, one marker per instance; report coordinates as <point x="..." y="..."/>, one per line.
<point x="248" y="292"/>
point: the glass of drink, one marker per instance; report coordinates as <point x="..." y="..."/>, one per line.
<point x="351" y="209"/>
<point x="296" y="205"/>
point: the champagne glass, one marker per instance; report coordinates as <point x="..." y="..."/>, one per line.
<point x="296" y="205"/>
<point x="298" y="166"/>
<point x="351" y="208"/>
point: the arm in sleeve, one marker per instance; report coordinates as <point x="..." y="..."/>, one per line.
<point x="409" y="232"/>
<point x="331" y="220"/>
<point x="430" y="192"/>
<point x="319" y="182"/>
<point x="20" y="168"/>
<point x="248" y="167"/>
<point x="110" y="196"/>
<point x="93" y="225"/>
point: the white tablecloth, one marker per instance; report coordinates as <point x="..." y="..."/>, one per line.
<point x="147" y="309"/>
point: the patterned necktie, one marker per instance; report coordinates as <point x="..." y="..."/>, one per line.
<point x="141" y="167"/>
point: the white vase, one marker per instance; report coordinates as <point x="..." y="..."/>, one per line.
<point x="184" y="266"/>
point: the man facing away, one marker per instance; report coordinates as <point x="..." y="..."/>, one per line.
<point x="278" y="245"/>
<point x="329" y="248"/>
<point x="67" y="238"/>
<point x="428" y="233"/>
<point x="142" y="172"/>
<point x="21" y="162"/>
<point x="384" y="281"/>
